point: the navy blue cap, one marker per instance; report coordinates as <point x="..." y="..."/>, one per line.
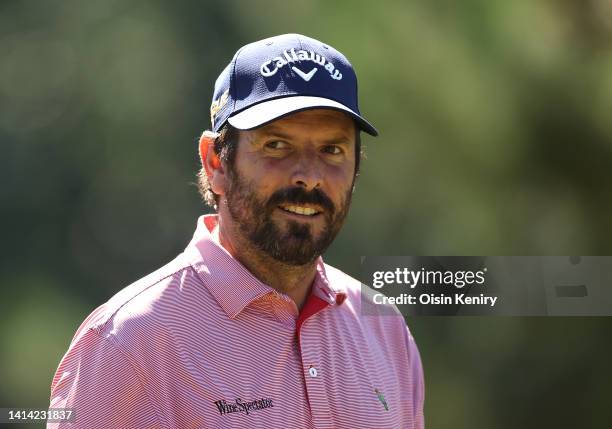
<point x="275" y="77"/>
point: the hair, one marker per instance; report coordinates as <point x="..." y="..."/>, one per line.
<point x="225" y="146"/>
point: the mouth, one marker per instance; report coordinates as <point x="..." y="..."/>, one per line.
<point x="300" y="210"/>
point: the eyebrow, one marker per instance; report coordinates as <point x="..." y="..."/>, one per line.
<point x="275" y="132"/>
<point x="272" y="131"/>
<point x="339" y="140"/>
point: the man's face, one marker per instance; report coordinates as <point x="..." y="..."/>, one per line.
<point x="291" y="183"/>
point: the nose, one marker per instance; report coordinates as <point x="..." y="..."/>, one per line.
<point x="307" y="173"/>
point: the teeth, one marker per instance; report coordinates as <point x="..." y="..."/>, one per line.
<point x="301" y="210"/>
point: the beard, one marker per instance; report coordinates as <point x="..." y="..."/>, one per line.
<point x="296" y="244"/>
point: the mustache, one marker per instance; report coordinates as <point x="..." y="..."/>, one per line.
<point x="298" y="195"/>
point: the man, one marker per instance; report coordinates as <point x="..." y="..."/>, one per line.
<point x="248" y="328"/>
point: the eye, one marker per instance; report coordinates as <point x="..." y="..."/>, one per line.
<point x="332" y="149"/>
<point x="276" y="145"/>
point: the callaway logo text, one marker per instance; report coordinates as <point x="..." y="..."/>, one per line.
<point x="270" y="67"/>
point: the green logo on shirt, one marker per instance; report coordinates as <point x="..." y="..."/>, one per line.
<point x="381" y="398"/>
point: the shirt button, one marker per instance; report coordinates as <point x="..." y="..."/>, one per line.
<point x="312" y="371"/>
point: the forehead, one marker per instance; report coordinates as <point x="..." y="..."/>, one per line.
<point x="313" y="122"/>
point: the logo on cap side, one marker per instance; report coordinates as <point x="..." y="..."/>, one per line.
<point x="217" y="105"/>
<point x="270" y="67"/>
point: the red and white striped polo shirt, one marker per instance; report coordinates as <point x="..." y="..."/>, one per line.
<point x="201" y="343"/>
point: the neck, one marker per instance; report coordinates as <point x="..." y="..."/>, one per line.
<point x="293" y="281"/>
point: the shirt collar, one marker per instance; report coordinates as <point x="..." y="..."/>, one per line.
<point x="231" y="283"/>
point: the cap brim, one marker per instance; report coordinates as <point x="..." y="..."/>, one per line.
<point x="263" y="113"/>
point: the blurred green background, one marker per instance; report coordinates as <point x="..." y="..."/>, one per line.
<point x="496" y="139"/>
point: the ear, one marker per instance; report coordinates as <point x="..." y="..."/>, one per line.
<point x="211" y="162"/>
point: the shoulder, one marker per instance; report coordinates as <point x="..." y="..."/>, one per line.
<point x="141" y="304"/>
<point x="381" y="323"/>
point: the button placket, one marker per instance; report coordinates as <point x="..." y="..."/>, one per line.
<point x="314" y="379"/>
